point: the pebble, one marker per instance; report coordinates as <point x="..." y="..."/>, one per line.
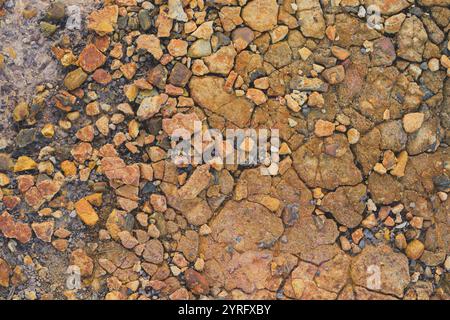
<point x="21" y="112"/>
<point x="379" y="168"/>
<point x="56" y="11"/>
<point x="353" y="136"/>
<point x="86" y="212"/>
<point x="324" y="128"/>
<point x="433" y="65"/>
<point x="415" y="249"/>
<point x="24" y="163"/>
<point x="400" y="241"/>
<point x="75" y="79"/>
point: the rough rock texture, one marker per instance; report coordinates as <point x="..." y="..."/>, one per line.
<point x="107" y="106"/>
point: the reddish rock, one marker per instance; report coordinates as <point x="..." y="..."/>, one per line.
<point x="196" y="282"/>
<point x="180" y="75"/>
<point x="102" y="76"/>
<point x="250" y="223"/>
<point x="80" y="259"/>
<point x="91" y="58"/>
<point x="209" y="93"/>
<point x="5" y="272"/>
<point x="103" y="21"/>
<point x="11" y="202"/>
<point x="25" y="182"/>
<point x="197" y="182"/>
<point x="326" y="163"/>
<point x="392" y="267"/>
<point x="82" y="152"/>
<point x="86" y="133"/>
<point x="34" y="198"/>
<point x="13" y="229"/>
<point x="44" y="230"/>
<point x="153" y="252"/>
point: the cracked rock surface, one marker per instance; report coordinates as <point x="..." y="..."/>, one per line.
<point x="91" y="93"/>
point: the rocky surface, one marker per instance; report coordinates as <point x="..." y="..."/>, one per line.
<point x="93" y="206"/>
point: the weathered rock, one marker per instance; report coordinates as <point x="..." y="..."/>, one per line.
<point x="415" y="249"/>
<point x="311" y="237"/>
<point x="151" y="106"/>
<point x="196" y="282"/>
<point x="151" y="44"/>
<point x="15" y="230"/>
<point x="80" y="259"/>
<point x="334" y="75"/>
<point x="279" y="54"/>
<point x="209" y="93"/>
<point x="180" y="75"/>
<point x="86" y="212"/>
<point x="103" y="21"/>
<point x="323" y="128"/>
<point x="5" y="272"/>
<point x="326" y="163"/>
<point x="411" y="39"/>
<point x="246" y="226"/>
<point x="91" y="58"/>
<point x="176" y="11"/>
<point x="346" y="204"/>
<point x="153" y="252"/>
<point x="197" y="182"/>
<point x="384" y="188"/>
<point x="393" y="137"/>
<point x="334" y="274"/>
<point x="389" y="7"/>
<point x="44" y="230"/>
<point x="392" y="267"/>
<point x="260" y="15"/>
<point x="222" y="61"/>
<point x="383" y="52"/>
<point x="413" y="121"/>
<point x="310" y="15"/>
<point x="75" y="79"/>
<point x="200" y="48"/>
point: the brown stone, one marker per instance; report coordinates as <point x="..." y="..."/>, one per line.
<point x="80" y="259"/>
<point x="180" y="75"/>
<point x="393" y="267"/>
<point x="222" y="61"/>
<point x="103" y="21"/>
<point x="209" y="93"/>
<point x="334" y="75"/>
<point x="102" y="76"/>
<point x="177" y="47"/>
<point x="196" y="282"/>
<point x="91" y="58"/>
<point x="251" y="223"/>
<point x="13" y="229"/>
<point x="151" y="44"/>
<point x="5" y="272"/>
<point x="153" y="252"/>
<point x="86" y="133"/>
<point x="44" y="230"/>
<point x="326" y="163"/>
<point x="86" y="212"/>
<point x="346" y="204"/>
<point x="324" y="128"/>
<point x="260" y="15"/>
<point x="75" y="79"/>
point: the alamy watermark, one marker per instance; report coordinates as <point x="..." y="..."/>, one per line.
<point x="373" y="281"/>
<point x="73" y="280"/>
<point x="249" y="147"/>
